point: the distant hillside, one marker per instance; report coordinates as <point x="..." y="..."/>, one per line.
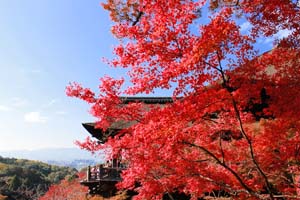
<point x="27" y="180"/>
<point x="77" y="164"/>
<point x="53" y="154"/>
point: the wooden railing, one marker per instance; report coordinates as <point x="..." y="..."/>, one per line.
<point x="98" y="173"/>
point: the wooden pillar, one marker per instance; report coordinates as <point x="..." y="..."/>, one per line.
<point x="115" y="163"/>
<point x="88" y="173"/>
<point x="101" y="174"/>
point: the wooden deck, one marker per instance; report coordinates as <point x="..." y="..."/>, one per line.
<point x="102" y="180"/>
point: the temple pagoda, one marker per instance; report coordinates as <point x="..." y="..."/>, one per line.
<point x="102" y="179"/>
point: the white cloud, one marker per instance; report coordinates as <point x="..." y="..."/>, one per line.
<point x="4" y="108"/>
<point x="245" y="26"/>
<point x="26" y="70"/>
<point x="279" y="35"/>
<point x="282" y="33"/>
<point x="53" y="101"/>
<point x="61" y="112"/>
<point x="18" y="102"/>
<point x="36" y="71"/>
<point x="34" y="117"/>
<point x="50" y="103"/>
<point x="268" y="40"/>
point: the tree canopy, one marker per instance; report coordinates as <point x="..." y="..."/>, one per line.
<point x="26" y="179"/>
<point x="234" y="123"/>
<point x="68" y="189"/>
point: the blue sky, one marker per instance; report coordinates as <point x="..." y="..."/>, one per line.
<point x="44" y="45"/>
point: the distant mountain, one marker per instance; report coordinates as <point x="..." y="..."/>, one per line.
<point x="28" y="180"/>
<point x="54" y="155"/>
<point x="77" y="164"/>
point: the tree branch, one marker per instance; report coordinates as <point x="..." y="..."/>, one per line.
<point x="249" y="190"/>
<point x="222" y="151"/>
<point x="237" y="112"/>
<point x="138" y="17"/>
<point x="222" y="185"/>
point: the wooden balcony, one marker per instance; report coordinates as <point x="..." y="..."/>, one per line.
<point x="102" y="180"/>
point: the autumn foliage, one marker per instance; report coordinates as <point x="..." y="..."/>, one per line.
<point x="67" y="189"/>
<point x="235" y="120"/>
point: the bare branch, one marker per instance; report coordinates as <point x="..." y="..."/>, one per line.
<point x="249" y="190"/>
<point x="222" y="151"/>
<point x="138" y="17"/>
<point x="237" y="112"/>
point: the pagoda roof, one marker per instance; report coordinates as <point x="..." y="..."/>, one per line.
<point x="115" y="127"/>
<point x="147" y="100"/>
<point x="102" y="135"/>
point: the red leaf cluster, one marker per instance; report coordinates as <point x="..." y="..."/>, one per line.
<point x="235" y="127"/>
<point x="67" y="190"/>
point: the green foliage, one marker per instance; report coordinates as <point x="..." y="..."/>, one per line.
<point x="25" y="179"/>
<point x="14" y="183"/>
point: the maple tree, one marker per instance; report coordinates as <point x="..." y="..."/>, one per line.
<point x="71" y="189"/>
<point x="234" y="123"/>
<point x="67" y="189"/>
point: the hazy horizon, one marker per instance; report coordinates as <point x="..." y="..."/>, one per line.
<point x="53" y="154"/>
<point x="42" y="148"/>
